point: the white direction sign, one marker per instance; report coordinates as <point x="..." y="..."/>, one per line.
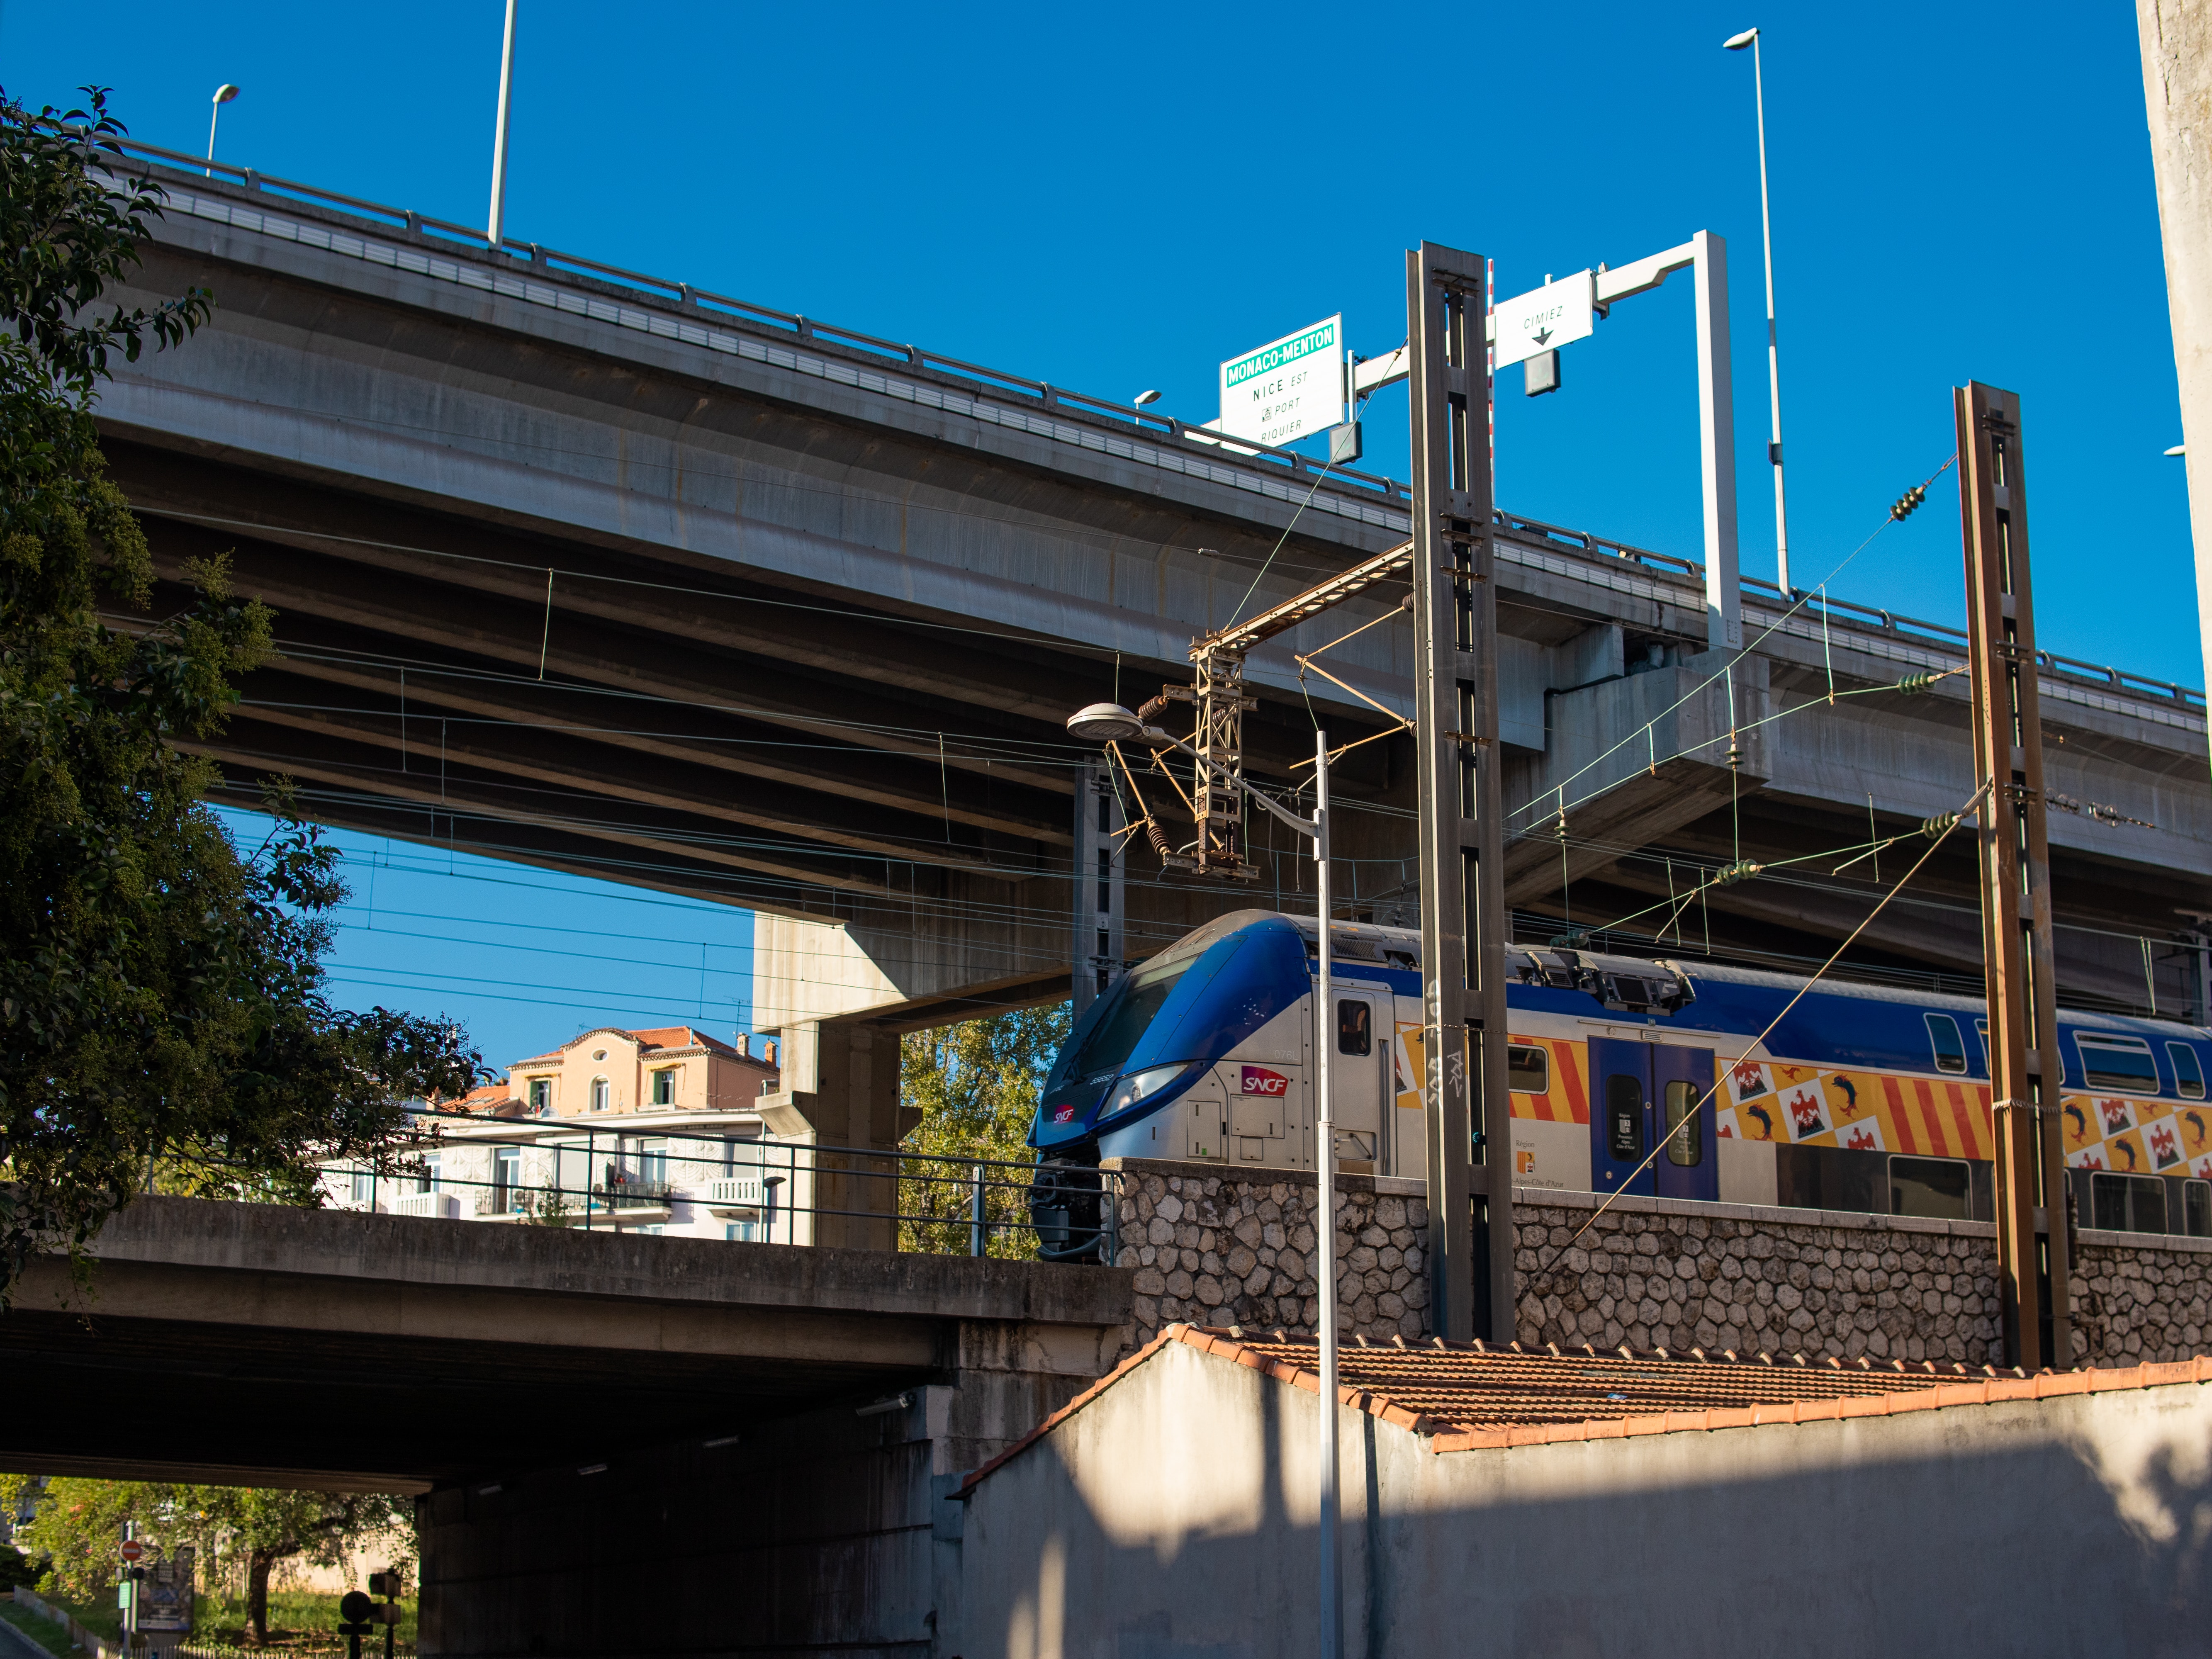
<point x="1544" y="319"/>
<point x="1289" y="388"/>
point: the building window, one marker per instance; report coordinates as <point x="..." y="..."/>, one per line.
<point x="506" y="1180"/>
<point x="2187" y="1075"/>
<point x="1528" y="1069"/>
<point x="1950" y="1048"/>
<point x="364" y="1186"/>
<point x="428" y="1181"/>
<point x="663" y="1087"/>
<point x="652" y="1163"/>
<point x="767" y="1086"/>
<point x="541" y="1095"/>
<point x="598" y="1094"/>
<point x="738" y="1232"/>
<point x="1932" y="1186"/>
<point x="2122" y="1065"/>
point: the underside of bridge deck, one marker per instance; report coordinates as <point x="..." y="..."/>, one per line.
<point x="795" y="628"/>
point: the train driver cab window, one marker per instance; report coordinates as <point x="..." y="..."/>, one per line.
<point x="1624" y="1115"/>
<point x="2120" y="1064"/>
<point x="2197" y="1208"/>
<point x="1355" y="1030"/>
<point x="1528" y="1069"/>
<point x="2187" y="1075"/>
<point x="1949" y="1046"/>
<point x="1933" y="1186"/>
<point x="1685" y="1148"/>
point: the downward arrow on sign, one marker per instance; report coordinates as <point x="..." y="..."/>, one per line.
<point x="1543" y="336"/>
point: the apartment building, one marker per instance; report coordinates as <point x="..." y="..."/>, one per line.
<point x="657" y="1130"/>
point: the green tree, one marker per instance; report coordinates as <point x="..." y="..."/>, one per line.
<point x="78" y="1522"/>
<point x="161" y="992"/>
<point x="976" y="1083"/>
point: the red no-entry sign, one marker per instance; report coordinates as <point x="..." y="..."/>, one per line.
<point x="132" y="1549"/>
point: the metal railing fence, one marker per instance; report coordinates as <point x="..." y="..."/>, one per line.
<point x="590" y="1175"/>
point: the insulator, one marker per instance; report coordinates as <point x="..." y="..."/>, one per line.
<point x="1560" y="830"/>
<point x="1913" y="685"/>
<point x="1742" y="870"/>
<point x="1939" y="825"/>
<point x="1910" y="499"/>
<point x="1735" y="752"/>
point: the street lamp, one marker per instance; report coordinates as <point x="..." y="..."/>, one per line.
<point x="223" y="94"/>
<point x="496" y="229"/>
<point x="1737" y="43"/>
<point x="1109" y="722"/>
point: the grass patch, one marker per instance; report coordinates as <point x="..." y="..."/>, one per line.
<point x="103" y="1620"/>
<point x="54" y="1638"/>
<point x="303" y="1618"/>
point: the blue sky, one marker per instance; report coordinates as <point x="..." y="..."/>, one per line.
<point x="1119" y="197"/>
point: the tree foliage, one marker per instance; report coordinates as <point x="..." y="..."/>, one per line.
<point x="160" y="1000"/>
<point x="77" y="1523"/>
<point x="976" y="1083"/>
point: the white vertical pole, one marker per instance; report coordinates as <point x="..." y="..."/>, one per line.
<point x="1332" y="1578"/>
<point x="1773" y="359"/>
<point x="1716" y="444"/>
<point x="496" y="229"/>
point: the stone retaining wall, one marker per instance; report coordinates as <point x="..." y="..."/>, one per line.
<point x="1216" y="1246"/>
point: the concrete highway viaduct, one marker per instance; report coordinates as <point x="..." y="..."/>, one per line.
<point x="577" y="1411"/>
<point x="607" y="575"/>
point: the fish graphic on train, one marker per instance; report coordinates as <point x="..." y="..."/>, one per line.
<point x="1862" y="1097"/>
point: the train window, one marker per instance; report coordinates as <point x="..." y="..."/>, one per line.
<point x="2121" y="1064"/>
<point x="1355" y="1030"/>
<point x="1944" y="1037"/>
<point x="1933" y="1186"/>
<point x="2128" y="1204"/>
<point x="1624" y="1115"/>
<point x="1528" y="1069"/>
<point x="2187" y="1075"/>
<point x="2197" y="1208"/>
<point x="1130" y="1006"/>
<point x="1685" y="1148"/>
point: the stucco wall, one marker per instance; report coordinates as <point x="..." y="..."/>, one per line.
<point x="1173" y="1518"/>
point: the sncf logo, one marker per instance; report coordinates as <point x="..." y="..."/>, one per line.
<point x="1063" y="1114"/>
<point x="1258" y="1080"/>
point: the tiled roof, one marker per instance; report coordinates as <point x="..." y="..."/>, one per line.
<point x="1469" y="1397"/>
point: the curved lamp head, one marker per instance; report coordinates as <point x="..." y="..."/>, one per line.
<point x="225" y="92"/>
<point x="2179" y="449"/>
<point x="1105" y="722"/>
<point x="1738" y="42"/>
<point x="1143" y="397"/>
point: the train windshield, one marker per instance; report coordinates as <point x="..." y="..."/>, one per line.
<point x="1130" y="1007"/>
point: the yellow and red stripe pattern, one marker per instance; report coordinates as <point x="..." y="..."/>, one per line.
<point x="1566" y="1096"/>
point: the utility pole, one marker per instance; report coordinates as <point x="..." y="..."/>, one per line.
<point x="2024" y="1077"/>
<point x="1096" y="895"/>
<point x="1463" y="921"/>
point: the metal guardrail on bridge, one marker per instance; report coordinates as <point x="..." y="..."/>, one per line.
<point x="558" y="1172"/>
<point x="682" y="299"/>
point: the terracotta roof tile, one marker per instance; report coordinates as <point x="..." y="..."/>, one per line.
<point x="1470" y="1397"/>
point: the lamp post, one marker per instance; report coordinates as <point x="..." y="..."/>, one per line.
<point x="1737" y="43"/>
<point x="1108" y="722"/>
<point x="223" y="94"/>
<point x="498" y="215"/>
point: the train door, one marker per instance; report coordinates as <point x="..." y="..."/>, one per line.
<point x="1621" y="1115"/>
<point x="1356" y="1076"/>
<point x="1640" y="1092"/>
<point x="1688" y="1166"/>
